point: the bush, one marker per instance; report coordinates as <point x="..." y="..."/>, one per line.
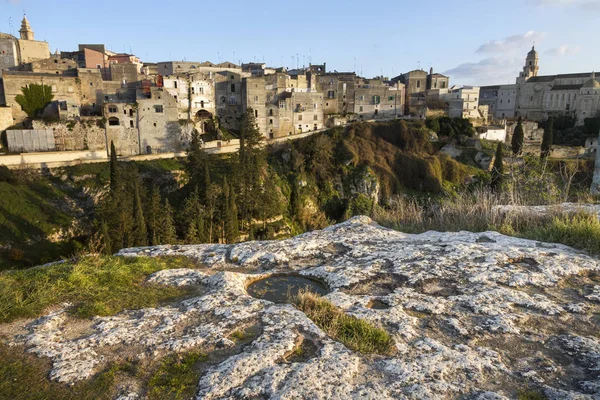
<point x="6" y="175"/>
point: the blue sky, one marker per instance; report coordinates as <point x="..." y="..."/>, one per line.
<point x="475" y="41"/>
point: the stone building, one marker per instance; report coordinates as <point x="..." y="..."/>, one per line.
<point x="464" y="103"/>
<point x="596" y="180"/>
<point x="417" y="85"/>
<point x="537" y="97"/>
<point x="338" y="92"/>
<point x="14" y="52"/>
<point x="195" y="96"/>
<point x="178" y="67"/>
<point x="283" y="105"/>
<point x="373" y="99"/>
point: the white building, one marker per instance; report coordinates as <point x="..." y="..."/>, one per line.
<point x="463" y="102"/>
<point x="497" y="133"/>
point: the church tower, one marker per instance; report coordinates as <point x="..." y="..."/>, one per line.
<point x="531" y="67"/>
<point x="26" y="32"/>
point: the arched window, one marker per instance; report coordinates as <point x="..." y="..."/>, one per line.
<point x="113" y="121"/>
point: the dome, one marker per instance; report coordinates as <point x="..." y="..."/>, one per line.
<point x="532" y="52"/>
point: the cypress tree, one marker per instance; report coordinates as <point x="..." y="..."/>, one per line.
<point x="517" y="138"/>
<point x="497" y="170"/>
<point x="232" y="232"/>
<point x="191" y="237"/>
<point x="114" y="171"/>
<point x="166" y="229"/>
<point x="153" y="216"/>
<point x="105" y="238"/>
<point x="139" y="232"/>
<point x="548" y="139"/>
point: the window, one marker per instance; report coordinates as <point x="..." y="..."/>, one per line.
<point x="315" y="106"/>
<point x="361" y="98"/>
<point x="361" y="109"/>
<point x="105" y="98"/>
<point x="233" y="88"/>
<point x="256" y="113"/>
<point x="201" y="103"/>
<point x="281" y="104"/>
<point x="155" y="124"/>
<point x="131" y="124"/>
<point x="112" y="109"/>
<point x="268" y="98"/>
<point x="232" y="101"/>
<point x="158" y="109"/>
<point x="193" y="90"/>
<point x="271" y="122"/>
<point x="175" y="84"/>
<point x="232" y="77"/>
<point x="418" y="84"/>
<point x="112" y="121"/>
<point x="271" y="112"/>
<point x="300" y="117"/>
<point x="125" y="112"/>
<point x="376" y="99"/>
<point x="131" y="112"/>
<point x="391" y="98"/>
<point x="315" y="117"/>
<point x="331" y="94"/>
<point x="256" y="99"/>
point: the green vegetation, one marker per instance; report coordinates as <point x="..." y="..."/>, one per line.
<point x="497" y="170"/>
<point x="25" y="377"/>
<point x="451" y="127"/>
<point x="34" y="98"/>
<point x="517" y="138"/>
<point x="547" y="139"/>
<point x="356" y="334"/>
<point x="176" y="377"/>
<point x="531" y="395"/>
<point x="93" y="285"/>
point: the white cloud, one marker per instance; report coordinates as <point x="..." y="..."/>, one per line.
<point x="492" y="70"/>
<point x="564" y="50"/>
<point x="511" y="43"/>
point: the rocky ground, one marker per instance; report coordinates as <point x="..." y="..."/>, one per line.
<point x="473" y="316"/>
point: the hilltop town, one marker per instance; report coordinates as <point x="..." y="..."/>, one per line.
<point x="99" y="97"/>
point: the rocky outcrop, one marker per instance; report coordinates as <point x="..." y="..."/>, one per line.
<point x="473" y="316"/>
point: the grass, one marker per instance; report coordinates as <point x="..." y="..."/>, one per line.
<point x="356" y="334"/>
<point x="25" y="377"/>
<point x="176" y="377"/>
<point x="531" y="395"/>
<point x="475" y="212"/>
<point x="94" y="286"/>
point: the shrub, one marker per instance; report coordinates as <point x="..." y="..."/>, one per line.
<point x="6" y="175"/>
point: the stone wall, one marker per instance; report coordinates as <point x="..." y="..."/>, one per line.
<point x="87" y="134"/>
<point x="6" y="119"/>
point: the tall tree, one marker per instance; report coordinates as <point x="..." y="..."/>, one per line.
<point x="34" y="98"/>
<point x="139" y="232"/>
<point x="105" y="238"/>
<point x="153" y="216"/>
<point x="192" y="219"/>
<point x="166" y="229"/>
<point x="517" y="138"/>
<point x="548" y="138"/>
<point x="497" y="170"/>
<point x="230" y="217"/>
<point x="114" y="170"/>
<point x="197" y="165"/>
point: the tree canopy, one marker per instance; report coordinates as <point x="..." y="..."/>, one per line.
<point x="34" y="98"/>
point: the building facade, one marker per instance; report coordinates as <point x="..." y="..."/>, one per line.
<point x="14" y="52"/>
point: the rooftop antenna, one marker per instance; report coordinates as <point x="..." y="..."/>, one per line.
<point x="354" y="64"/>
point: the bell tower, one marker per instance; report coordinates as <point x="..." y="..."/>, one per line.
<point x="531" y="67"/>
<point x="26" y="32"/>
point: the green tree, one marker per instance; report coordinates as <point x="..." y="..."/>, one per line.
<point x="231" y="227"/>
<point x="548" y="138"/>
<point x="197" y="165"/>
<point x="153" y="216"/>
<point x="497" y="170"/>
<point x="34" y="98"/>
<point x="192" y="215"/>
<point x="166" y="229"/>
<point x="517" y="138"/>
<point x="139" y="232"/>
<point x="114" y="170"/>
<point x="105" y="236"/>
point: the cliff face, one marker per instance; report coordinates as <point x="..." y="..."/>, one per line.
<point x="472" y="315"/>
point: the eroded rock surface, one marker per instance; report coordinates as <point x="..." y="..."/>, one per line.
<point x="473" y="316"/>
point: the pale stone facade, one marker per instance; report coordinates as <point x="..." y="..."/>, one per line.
<point x="596" y="181"/>
<point x="14" y="52"/>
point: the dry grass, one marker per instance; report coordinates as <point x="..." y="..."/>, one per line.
<point x="476" y="212"/>
<point x="354" y="333"/>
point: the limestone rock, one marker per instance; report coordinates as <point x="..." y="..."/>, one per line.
<point x="471" y="318"/>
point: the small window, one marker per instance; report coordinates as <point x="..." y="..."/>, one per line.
<point x="270" y="121"/>
<point x="131" y="124"/>
<point x="271" y="112"/>
<point x="158" y="109"/>
<point x="315" y="117"/>
<point x="112" y="121"/>
<point x="331" y="94"/>
<point x="255" y="113"/>
<point x="300" y="117"/>
<point x="233" y="88"/>
<point x="125" y="112"/>
<point x="418" y="84"/>
<point x="112" y="109"/>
